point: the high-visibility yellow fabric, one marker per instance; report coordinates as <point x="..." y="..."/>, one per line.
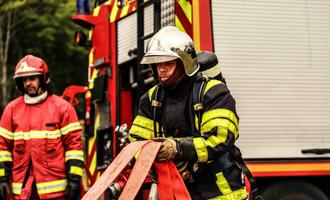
<point x="51" y="186"/>
<point x="5" y="156"/>
<point x="220" y="113"/>
<point x="2" y="172"/>
<point x="40" y="134"/>
<point x="76" y="170"/>
<point x="223" y="184"/>
<point x="218" y="122"/>
<point x="143" y="127"/>
<point x="239" y="194"/>
<point x="201" y="150"/>
<point x="6" y="134"/>
<point x="210" y="84"/>
<point x="17" y="188"/>
<point x="74" y="154"/>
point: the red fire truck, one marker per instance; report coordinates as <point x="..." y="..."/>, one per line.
<point x="275" y="56"/>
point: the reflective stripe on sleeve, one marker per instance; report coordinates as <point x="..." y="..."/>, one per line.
<point x="219" y="122"/>
<point x="5" y="156"/>
<point x="212" y="83"/>
<point x="70" y="127"/>
<point x="131" y="139"/>
<point x="6" y="134"/>
<point x="220" y="113"/>
<point x="201" y="150"/>
<point x="143" y="127"/>
<point x="201" y="144"/>
<point x="52" y="186"/>
<point x="76" y="170"/>
<point x="213" y="141"/>
<point x="74" y="155"/>
<point x="2" y="172"/>
<point x="17" y="188"/>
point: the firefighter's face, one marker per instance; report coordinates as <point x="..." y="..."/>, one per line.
<point x="165" y="70"/>
<point x="31" y="85"/>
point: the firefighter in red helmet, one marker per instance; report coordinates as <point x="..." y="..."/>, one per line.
<point x="41" y="153"/>
<point x="31" y="66"/>
<point x="196" y="135"/>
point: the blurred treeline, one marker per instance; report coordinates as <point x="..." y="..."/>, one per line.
<point x="43" y="28"/>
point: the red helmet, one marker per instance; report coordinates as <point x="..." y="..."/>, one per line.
<point x="28" y="66"/>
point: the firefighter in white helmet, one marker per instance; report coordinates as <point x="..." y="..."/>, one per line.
<point x="40" y="140"/>
<point x="168" y="113"/>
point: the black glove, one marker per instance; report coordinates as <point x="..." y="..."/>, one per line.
<point x="4" y="190"/>
<point x="73" y="190"/>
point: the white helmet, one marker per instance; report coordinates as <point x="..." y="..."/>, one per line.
<point x="169" y="43"/>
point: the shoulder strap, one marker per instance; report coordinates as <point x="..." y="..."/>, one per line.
<point x="157" y="98"/>
<point x="197" y="99"/>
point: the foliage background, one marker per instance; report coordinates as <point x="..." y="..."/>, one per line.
<point x="43" y="28"/>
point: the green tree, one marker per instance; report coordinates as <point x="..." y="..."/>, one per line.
<point x="42" y="28"/>
<point x="7" y="27"/>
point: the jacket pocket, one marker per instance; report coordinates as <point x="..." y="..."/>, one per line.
<point x="55" y="153"/>
<point x="19" y="146"/>
<point x="52" y="135"/>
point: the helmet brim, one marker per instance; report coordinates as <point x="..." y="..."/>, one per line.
<point x="152" y="59"/>
<point x="27" y="74"/>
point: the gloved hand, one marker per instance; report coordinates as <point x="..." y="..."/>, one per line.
<point x="73" y="190"/>
<point x="167" y="150"/>
<point x="4" y="189"/>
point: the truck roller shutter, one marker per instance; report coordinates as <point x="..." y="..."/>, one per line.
<point x="127" y="33"/>
<point x="275" y="56"/>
